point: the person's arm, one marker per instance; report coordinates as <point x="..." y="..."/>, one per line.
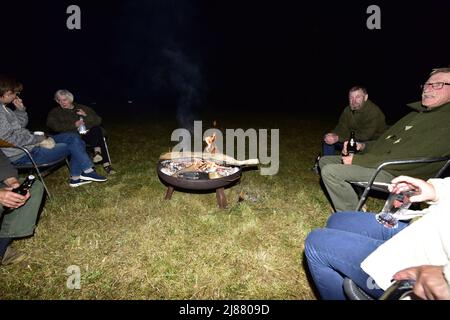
<point x="431" y="283"/>
<point x="91" y="119"/>
<point x="20" y="112"/>
<point x="425" y="191"/>
<point x="9" y="177"/>
<point x="18" y="137"/>
<point x="60" y="120"/>
<point x="6" y="168"/>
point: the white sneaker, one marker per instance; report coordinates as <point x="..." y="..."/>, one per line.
<point x="78" y="182"/>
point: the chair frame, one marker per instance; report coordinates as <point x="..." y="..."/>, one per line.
<point x="370" y="184"/>
<point x="34" y="165"/>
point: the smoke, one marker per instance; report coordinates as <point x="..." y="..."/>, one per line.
<point x="183" y="80"/>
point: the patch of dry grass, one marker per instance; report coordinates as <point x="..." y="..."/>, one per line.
<point x="129" y="243"/>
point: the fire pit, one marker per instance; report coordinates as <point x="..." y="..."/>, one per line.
<point x="197" y="172"/>
<point x="189" y="178"/>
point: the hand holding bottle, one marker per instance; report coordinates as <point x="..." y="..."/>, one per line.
<point x="81" y="112"/>
<point x="424" y="191"/>
<point x="81" y="126"/>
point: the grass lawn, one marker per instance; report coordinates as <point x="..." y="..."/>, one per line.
<point x="130" y="243"/>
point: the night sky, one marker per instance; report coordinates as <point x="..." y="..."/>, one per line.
<point x="177" y="56"/>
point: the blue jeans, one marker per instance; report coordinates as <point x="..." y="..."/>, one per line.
<point x="336" y="252"/>
<point x="330" y="149"/>
<point x="67" y="144"/>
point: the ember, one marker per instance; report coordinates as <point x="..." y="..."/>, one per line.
<point x="179" y="168"/>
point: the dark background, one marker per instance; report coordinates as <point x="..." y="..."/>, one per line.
<point x="177" y="58"/>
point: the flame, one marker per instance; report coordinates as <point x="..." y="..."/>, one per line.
<point x="211" y="146"/>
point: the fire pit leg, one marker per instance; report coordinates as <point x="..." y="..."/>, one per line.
<point x="221" y="199"/>
<point x="169" y="193"/>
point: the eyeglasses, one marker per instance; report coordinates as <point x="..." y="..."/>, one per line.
<point x="435" y="85"/>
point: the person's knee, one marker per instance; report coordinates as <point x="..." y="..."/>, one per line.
<point x="37" y="190"/>
<point x="76" y="140"/>
<point x="328" y="160"/>
<point x="336" y="220"/>
<point x="328" y="170"/>
<point x="313" y="242"/>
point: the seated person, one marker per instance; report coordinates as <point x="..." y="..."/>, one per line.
<point x="422" y="133"/>
<point x="361" y="116"/>
<point x="42" y="149"/>
<point x="19" y="218"/>
<point x="357" y="246"/>
<point x="66" y="118"/>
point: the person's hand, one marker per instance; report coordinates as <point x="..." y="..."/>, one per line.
<point x="424" y="190"/>
<point x="81" y="112"/>
<point x="78" y="123"/>
<point x="47" y="143"/>
<point x="12" y="182"/>
<point x="347" y="159"/>
<point x="18" y="103"/>
<point x="359" y="147"/>
<point x="11" y="199"/>
<point x="331" y="138"/>
<point x="430" y="282"/>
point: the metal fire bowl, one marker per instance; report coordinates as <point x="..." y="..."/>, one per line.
<point x="201" y="184"/>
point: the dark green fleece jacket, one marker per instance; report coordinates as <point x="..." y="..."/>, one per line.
<point x="63" y="120"/>
<point x="421" y="133"/>
<point x="368" y="122"/>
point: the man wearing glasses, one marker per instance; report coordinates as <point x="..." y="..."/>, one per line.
<point x="424" y="132"/>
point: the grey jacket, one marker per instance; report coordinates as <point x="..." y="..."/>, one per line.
<point x="12" y="129"/>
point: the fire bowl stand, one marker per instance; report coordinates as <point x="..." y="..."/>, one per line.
<point x="220" y="195"/>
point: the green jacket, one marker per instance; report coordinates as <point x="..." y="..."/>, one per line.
<point x="368" y="123"/>
<point x="421" y="133"/>
<point x="63" y="120"/>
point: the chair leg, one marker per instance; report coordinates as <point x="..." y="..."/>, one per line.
<point x="43" y="183"/>
<point x="107" y="150"/>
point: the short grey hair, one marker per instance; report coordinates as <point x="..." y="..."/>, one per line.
<point x="63" y="93"/>
<point x="440" y="70"/>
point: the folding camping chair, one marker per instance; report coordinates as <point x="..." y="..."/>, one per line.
<point x="42" y="169"/>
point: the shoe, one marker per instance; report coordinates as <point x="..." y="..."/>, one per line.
<point x="97" y="158"/>
<point x="78" y="182"/>
<point x="12" y="256"/>
<point x="92" y="176"/>
<point x="109" y="170"/>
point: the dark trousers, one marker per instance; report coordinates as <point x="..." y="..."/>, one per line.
<point x="94" y="138"/>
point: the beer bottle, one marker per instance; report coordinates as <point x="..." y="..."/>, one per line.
<point x="351" y="146"/>
<point x="25" y="186"/>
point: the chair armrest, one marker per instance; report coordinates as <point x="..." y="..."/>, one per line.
<point x="363" y="198"/>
